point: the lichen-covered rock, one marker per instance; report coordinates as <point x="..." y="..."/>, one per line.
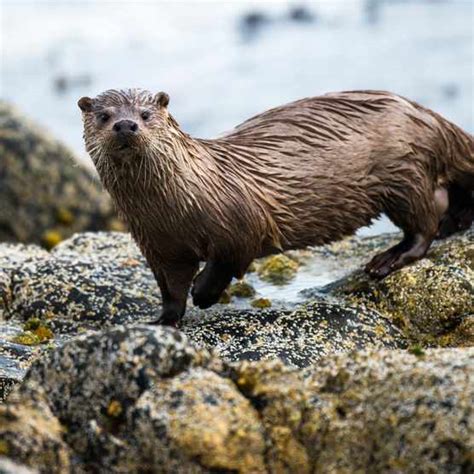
<point x="30" y="434"/>
<point x="432" y="300"/>
<point x="144" y="399"/>
<point x="299" y="337"/>
<point x="12" y="257"/>
<point x="278" y="269"/>
<point x="384" y="411"/>
<point x="200" y="422"/>
<point x="90" y="281"/>
<point x="45" y="195"/>
<point x="15" y="358"/>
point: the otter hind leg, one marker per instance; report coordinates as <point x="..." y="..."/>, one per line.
<point x="460" y="213"/>
<point x="419" y="217"/>
<point x="211" y="282"/>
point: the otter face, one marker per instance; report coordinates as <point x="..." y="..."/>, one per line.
<point x="121" y="123"/>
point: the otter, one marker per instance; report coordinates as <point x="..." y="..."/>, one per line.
<point x="303" y="174"/>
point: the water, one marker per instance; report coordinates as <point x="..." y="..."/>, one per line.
<point x="218" y="73"/>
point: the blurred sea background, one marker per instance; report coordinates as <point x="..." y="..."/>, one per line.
<point x="222" y="62"/>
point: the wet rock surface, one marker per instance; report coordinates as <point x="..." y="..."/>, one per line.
<point x="46" y="196"/>
<point x="299" y="338"/>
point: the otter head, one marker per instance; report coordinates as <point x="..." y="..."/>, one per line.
<point x="119" y="125"/>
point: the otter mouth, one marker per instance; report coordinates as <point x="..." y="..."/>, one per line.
<point x="124" y="143"/>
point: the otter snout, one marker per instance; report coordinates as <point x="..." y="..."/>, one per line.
<point x="125" y="127"/>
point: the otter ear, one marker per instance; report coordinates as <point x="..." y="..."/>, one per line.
<point x="85" y="104"/>
<point x="162" y="99"/>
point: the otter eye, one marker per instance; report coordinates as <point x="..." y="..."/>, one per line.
<point x="104" y="117"/>
<point x="145" y="115"/>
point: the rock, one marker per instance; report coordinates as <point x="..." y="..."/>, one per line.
<point x="45" y="195"/>
<point x="14" y="358"/>
<point x="376" y="411"/>
<point x="432" y="300"/>
<point x="278" y="269"/>
<point x="12" y="257"/>
<point x="301" y="14"/>
<point x="88" y="282"/>
<point x="30" y="434"/>
<point x="10" y="467"/>
<point x="197" y="415"/>
<point x="144" y="398"/>
<point x="298" y="338"/>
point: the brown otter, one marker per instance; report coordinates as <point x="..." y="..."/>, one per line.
<point x="306" y="173"/>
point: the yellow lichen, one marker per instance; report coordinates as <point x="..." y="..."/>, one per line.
<point x="43" y="333"/>
<point x="64" y="216"/>
<point x="261" y="303"/>
<point x="278" y="269"/>
<point x="114" y="409"/>
<point x="27" y="338"/>
<point x="4" y="449"/>
<point x="241" y="289"/>
<point x="51" y="238"/>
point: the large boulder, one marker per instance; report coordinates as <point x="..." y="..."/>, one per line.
<point x="382" y="411"/>
<point x="145" y="399"/>
<point x="46" y="194"/>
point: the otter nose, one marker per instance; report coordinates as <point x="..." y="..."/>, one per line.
<point x="125" y="126"/>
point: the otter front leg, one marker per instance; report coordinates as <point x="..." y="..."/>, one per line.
<point x="211" y="282"/>
<point x="174" y="282"/>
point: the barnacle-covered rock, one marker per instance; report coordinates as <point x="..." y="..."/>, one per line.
<point x="13" y="257"/>
<point x="15" y="358"/>
<point x="88" y="282"/>
<point x="45" y="195"/>
<point x="143" y="398"/>
<point x="299" y="337"/>
<point x="374" y="411"/>
<point x="432" y="300"/>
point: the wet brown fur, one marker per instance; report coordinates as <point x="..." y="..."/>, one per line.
<point x="306" y="173"/>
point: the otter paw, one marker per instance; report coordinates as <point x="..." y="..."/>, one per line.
<point x="168" y="317"/>
<point x="204" y="300"/>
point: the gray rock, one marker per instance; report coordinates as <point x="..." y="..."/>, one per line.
<point x="298" y="338"/>
<point x="45" y="195"/>
<point x="91" y="281"/>
<point x="13" y="257"/>
<point x="144" y="399"/>
<point x="15" y="358"/>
